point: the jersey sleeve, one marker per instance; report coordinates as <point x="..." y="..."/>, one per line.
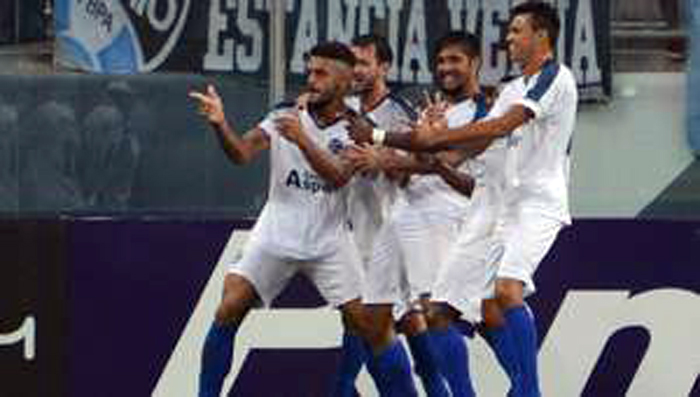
<point x="543" y="97"/>
<point x="267" y="125"/>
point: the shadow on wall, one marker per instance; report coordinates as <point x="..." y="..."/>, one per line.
<point x="94" y="145"/>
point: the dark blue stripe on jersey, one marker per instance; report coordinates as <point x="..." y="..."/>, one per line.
<point x="481" y="110"/>
<point x="403" y="103"/>
<point x="544" y="81"/>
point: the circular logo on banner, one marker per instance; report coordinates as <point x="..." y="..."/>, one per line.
<point x="126" y="36"/>
<point x="160" y="24"/>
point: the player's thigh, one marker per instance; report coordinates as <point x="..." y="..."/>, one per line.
<point x="527" y="239"/>
<point x="266" y="272"/>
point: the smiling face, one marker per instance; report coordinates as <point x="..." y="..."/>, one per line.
<point x="454" y="70"/>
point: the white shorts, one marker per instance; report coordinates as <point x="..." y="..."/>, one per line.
<point x="337" y="276"/>
<point x="382" y="281"/>
<point x="463" y="280"/>
<point x="482" y="254"/>
<point x="527" y="238"/>
<point x="407" y="253"/>
<point x="424" y="247"/>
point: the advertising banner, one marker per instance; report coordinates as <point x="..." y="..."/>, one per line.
<point x="232" y="36"/>
<point x="33" y="309"/>
<point x="617" y="306"/>
<point x="122" y="308"/>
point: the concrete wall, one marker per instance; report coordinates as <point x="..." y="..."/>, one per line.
<point x="627" y="151"/>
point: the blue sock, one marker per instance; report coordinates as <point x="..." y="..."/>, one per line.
<point x="500" y="341"/>
<point x="426" y="366"/>
<point x="391" y="371"/>
<point x="453" y="361"/>
<point x="521" y="326"/>
<point x="217" y="355"/>
<point x="354" y="353"/>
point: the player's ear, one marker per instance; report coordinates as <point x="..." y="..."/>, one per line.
<point x="385" y="66"/>
<point x="541" y="34"/>
<point x="475" y="64"/>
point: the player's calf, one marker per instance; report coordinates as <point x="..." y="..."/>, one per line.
<point x="415" y="326"/>
<point x="217" y="352"/>
<point x="451" y="350"/>
<point x="498" y="337"/>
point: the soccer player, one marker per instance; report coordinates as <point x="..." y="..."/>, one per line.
<point x="302" y="227"/>
<point x="385" y="172"/>
<point x="424" y="221"/>
<point x="371" y="193"/>
<point x="436" y="210"/>
<point x="535" y="115"/>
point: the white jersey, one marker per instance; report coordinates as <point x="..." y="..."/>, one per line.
<point x="371" y="197"/>
<point x="431" y="195"/>
<point x="304" y="217"/>
<point x="537" y="166"/>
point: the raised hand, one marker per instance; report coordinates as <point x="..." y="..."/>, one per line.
<point x="210" y="104"/>
<point x="289" y="126"/>
<point x="434" y="111"/>
<point x="424" y="131"/>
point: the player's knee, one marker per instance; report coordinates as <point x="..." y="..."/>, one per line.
<point x="442" y="316"/>
<point x="355" y="317"/>
<point x="414" y="323"/>
<point x="380" y="332"/>
<point x="239" y="297"/>
<point x="491" y="313"/>
<point x="509" y="293"/>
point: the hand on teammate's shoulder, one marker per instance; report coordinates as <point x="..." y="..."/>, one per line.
<point x="360" y="129"/>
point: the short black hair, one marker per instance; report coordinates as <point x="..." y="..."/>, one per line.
<point x="468" y="42"/>
<point x="334" y="50"/>
<point x="382" y="49"/>
<point x="544" y="16"/>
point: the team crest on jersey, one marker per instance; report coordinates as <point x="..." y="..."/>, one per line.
<point x="336" y="145"/>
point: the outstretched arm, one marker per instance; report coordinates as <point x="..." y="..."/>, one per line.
<point x="331" y="168"/>
<point x="240" y="150"/>
<point x="428" y="137"/>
